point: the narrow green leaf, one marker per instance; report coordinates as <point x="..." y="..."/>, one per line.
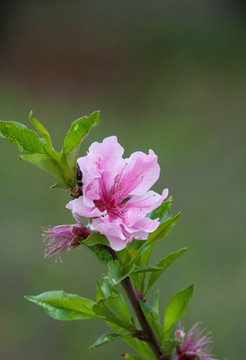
<point x="104" y="339"/>
<point x="116" y="274"/>
<point x="59" y="186"/>
<point x="136" y="344"/>
<point x="100" y="251"/>
<point x="26" y="140"/>
<point x="153" y="320"/>
<point x="99" y="293"/>
<point x="96" y="238"/>
<point x="164" y="264"/>
<point x="141" y="259"/>
<point x="114" y="309"/>
<point x="176" y="309"/>
<point x="45" y="163"/>
<point x="163" y="211"/>
<point x="162" y="230"/>
<point x="132" y="357"/>
<point x="147" y="268"/>
<point x="63" y="306"/>
<point x="69" y="153"/>
<point x="107" y="287"/>
<point x="156" y="305"/>
<point x="132" y="252"/>
<point x="167" y="346"/>
<point x="41" y="129"/>
<point x="78" y="130"/>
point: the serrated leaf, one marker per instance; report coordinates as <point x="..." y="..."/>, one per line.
<point x="26" y="140"/>
<point x="104" y="339"/>
<point x="167" y="346"/>
<point x="96" y="238"/>
<point x="63" y="306"/>
<point x="176" y="309"/>
<point x="164" y="264"/>
<point x="41" y="129"/>
<point x="100" y="251"/>
<point x="163" y="211"/>
<point x="78" y="130"/>
<point x="45" y="163"/>
<point x="162" y="230"/>
<point x="114" y="309"/>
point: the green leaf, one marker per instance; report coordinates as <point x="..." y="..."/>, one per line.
<point x="153" y="320"/>
<point x="163" y="211"/>
<point x="41" y="129"/>
<point x="116" y="274"/>
<point x="162" y="230"/>
<point x="99" y="293"/>
<point x="131" y="252"/>
<point x="164" y="264"/>
<point x="132" y="357"/>
<point x="69" y="153"/>
<point x="59" y="186"/>
<point x="63" y="306"/>
<point x="167" y="346"/>
<point x="114" y="309"/>
<point x="147" y="268"/>
<point x="78" y="130"/>
<point x="100" y="251"/>
<point x="26" y="140"/>
<point x="45" y="163"/>
<point x="96" y="238"/>
<point x="136" y="344"/>
<point x="142" y="259"/>
<point x="107" y="288"/>
<point x="176" y="309"/>
<point x="104" y="339"/>
<point x="156" y="305"/>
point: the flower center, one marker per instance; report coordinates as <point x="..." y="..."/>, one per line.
<point x="115" y="201"/>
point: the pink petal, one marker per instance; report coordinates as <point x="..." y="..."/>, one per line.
<point x="107" y="228"/>
<point x="140" y="174"/>
<point x="79" y="208"/>
<point x="139" y="206"/>
<point x="145" y="226"/>
<point x="104" y="159"/>
<point x="116" y="243"/>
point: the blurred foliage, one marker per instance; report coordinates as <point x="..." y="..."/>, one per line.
<point x="166" y="77"/>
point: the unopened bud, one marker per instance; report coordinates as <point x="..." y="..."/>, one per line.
<point x="179" y="335"/>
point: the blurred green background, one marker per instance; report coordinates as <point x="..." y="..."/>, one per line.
<point x="167" y="75"/>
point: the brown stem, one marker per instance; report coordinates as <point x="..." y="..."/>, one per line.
<point x="148" y="333"/>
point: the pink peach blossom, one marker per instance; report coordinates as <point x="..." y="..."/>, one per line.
<point x="115" y="192"/>
<point x="195" y="344"/>
<point x="63" y="237"/>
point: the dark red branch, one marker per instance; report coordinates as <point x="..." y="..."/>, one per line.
<point x="149" y="336"/>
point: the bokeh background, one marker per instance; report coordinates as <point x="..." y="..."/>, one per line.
<point x="167" y="75"/>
